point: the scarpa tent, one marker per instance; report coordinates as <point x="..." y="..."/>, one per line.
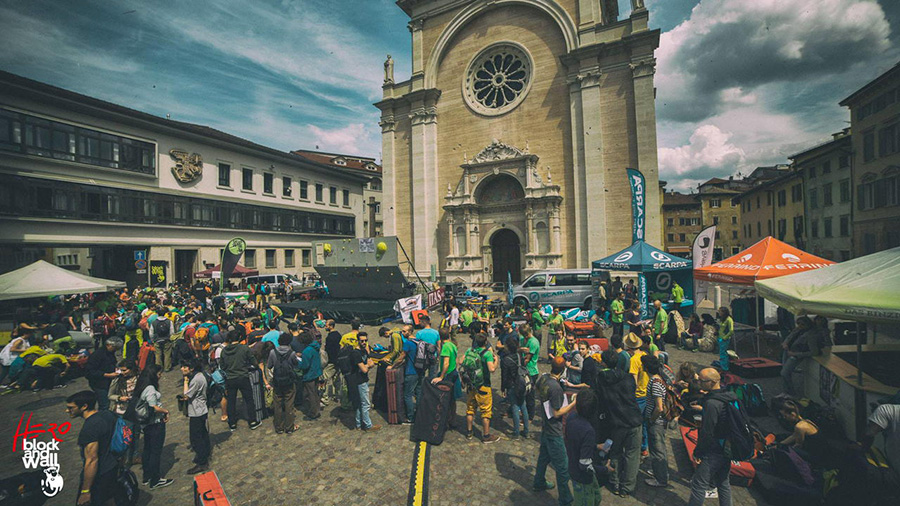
<point x="864" y="289"/>
<point x="658" y="270"/>
<point x="239" y="272"/>
<point x="43" y="279"/>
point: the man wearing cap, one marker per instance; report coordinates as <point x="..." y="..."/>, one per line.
<point x="100" y="370"/>
<point x="634" y="345"/>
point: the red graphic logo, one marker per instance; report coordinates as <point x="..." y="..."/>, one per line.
<point x="30" y="431"/>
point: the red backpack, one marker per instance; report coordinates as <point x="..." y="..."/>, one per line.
<point x="146" y="355"/>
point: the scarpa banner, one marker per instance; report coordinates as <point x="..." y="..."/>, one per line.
<point x="702" y="254"/>
<point x="642" y="295"/>
<point x="231" y="255"/>
<point x="509" y="288"/>
<point x="638" y="204"/>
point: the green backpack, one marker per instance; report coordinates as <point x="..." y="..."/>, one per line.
<point x="472" y="369"/>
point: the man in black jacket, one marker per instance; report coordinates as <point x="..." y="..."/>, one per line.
<point x="235" y="362"/>
<point x="100" y="369"/>
<point x="615" y="391"/>
<point x="712" y="464"/>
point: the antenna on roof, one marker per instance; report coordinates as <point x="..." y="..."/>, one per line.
<point x="168" y="116"/>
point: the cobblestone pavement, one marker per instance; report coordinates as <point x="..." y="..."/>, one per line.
<point x="326" y="463"/>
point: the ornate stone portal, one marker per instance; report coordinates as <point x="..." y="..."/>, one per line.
<point x="500" y="191"/>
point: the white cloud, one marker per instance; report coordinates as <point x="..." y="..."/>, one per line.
<point x="729" y="45"/>
<point x="353" y="139"/>
<point x="708" y="147"/>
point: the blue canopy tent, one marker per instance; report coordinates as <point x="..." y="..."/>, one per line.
<point x="656" y="269"/>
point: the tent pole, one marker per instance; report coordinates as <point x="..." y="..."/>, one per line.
<point x="859" y="378"/>
<point x="758" y="324"/>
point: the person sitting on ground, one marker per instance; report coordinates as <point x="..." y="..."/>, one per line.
<point x="806" y="435"/>
<point x="694" y="332"/>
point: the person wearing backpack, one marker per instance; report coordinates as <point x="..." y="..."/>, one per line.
<point x="161" y="329"/>
<point x="412" y="377"/>
<point x="194" y="391"/>
<point x="654" y="414"/>
<point x="147" y="410"/>
<point x="549" y="392"/>
<point x="236" y="362"/>
<point x="311" y="370"/>
<point x="134" y="336"/>
<point x="121" y="391"/>
<point x="615" y="389"/>
<point x="100" y="370"/>
<point x="713" y="466"/>
<point x="514" y="384"/>
<point x="282" y="363"/>
<point x="477" y="365"/>
<point x="99" y="467"/>
<point x="430" y="336"/>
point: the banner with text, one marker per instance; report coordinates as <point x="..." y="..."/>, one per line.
<point x="158" y="273"/>
<point x="435" y="297"/>
<point x="231" y="255"/>
<point x="638" y="204"/>
<point x="642" y="296"/>
<point x="702" y="254"/>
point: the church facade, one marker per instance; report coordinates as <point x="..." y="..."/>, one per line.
<point x="507" y="149"/>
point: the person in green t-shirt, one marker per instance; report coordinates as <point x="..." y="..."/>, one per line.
<point x="726" y="332"/>
<point x="466" y="318"/>
<point x="660" y="324"/>
<point x="677" y="294"/>
<point x="537" y="320"/>
<point x="556" y="321"/>
<point x="617" y="312"/>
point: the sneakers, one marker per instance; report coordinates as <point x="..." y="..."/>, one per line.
<point x="255" y="425"/>
<point x="490" y="438"/>
<point x="373" y="428"/>
<point x="145" y="482"/>
<point x="232" y="428"/>
<point x="653" y="483"/>
<point x="547" y="486"/>
<point x="645" y="453"/>
<point x="163" y="482"/>
<point x="406" y="422"/>
<point x="515" y="437"/>
<point x="197" y="469"/>
<point x="470" y="435"/>
<point x="712" y="494"/>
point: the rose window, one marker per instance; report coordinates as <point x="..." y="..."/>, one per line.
<point x="498" y="79"/>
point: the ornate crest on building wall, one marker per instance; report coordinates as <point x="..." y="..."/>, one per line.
<point x="188" y="166"/>
<point x="497" y="150"/>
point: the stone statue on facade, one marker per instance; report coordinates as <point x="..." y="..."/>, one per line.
<point x="389" y="70"/>
<point x="609" y="11"/>
<point x="637" y="5"/>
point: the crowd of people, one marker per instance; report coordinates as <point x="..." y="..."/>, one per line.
<point x="600" y="413"/>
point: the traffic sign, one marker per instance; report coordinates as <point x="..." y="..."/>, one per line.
<point x="140" y="264"/>
<point x="140" y="254"/>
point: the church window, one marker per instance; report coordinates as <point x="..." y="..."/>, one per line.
<point x="498" y="79"/>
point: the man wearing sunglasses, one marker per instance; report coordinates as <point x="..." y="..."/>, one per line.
<point x="359" y="379"/>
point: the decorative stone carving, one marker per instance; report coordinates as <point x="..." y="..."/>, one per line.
<point x="609" y="11"/>
<point x="423" y="115"/>
<point x="497" y="150"/>
<point x="637" y="5"/>
<point x="188" y="166"/>
<point x="449" y="191"/>
<point x="389" y="70"/>
<point x="589" y="78"/>
<point x="416" y="25"/>
<point x="643" y="68"/>
<point x="549" y="179"/>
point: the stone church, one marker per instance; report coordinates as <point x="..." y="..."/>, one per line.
<point x="506" y="150"/>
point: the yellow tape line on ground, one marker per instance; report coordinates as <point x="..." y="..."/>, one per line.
<point x="418" y="483"/>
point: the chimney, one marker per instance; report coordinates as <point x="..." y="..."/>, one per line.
<point x="371" y="231"/>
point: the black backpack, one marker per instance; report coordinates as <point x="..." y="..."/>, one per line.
<point x="739" y="441"/>
<point x="215" y="392"/>
<point x="343" y="360"/>
<point x="283" y="375"/>
<point x="523" y="380"/>
<point x="161" y="328"/>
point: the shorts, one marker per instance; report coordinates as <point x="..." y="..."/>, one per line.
<point x="483" y="398"/>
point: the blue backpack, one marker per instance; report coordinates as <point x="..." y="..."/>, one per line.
<point x="122" y="437"/>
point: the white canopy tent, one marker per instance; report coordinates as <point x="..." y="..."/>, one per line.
<point x="43" y="279"/>
<point x="864" y="289"/>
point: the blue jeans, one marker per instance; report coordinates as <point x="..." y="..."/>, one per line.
<point x="553" y="451"/>
<point x="102" y="398"/>
<point x="658" y="453"/>
<point x="519" y="411"/>
<point x="642" y="403"/>
<point x="787" y="373"/>
<point x="412" y="388"/>
<point x="712" y="472"/>
<point x="723" y="353"/>
<point x="362" y="414"/>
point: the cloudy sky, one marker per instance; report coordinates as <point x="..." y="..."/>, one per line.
<point x="740" y="83"/>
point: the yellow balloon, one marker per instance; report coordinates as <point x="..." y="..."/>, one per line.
<point x="381" y="248"/>
<point x="327" y="248"/>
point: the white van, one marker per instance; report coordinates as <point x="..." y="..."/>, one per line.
<point x="275" y="281"/>
<point x="561" y="287"/>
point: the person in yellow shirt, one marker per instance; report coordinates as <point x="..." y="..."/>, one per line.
<point x="350" y="339"/>
<point x="50" y="371"/>
<point x="557" y="344"/>
<point x="637" y="348"/>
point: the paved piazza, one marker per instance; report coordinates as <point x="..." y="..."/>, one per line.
<point x="326" y="463"/>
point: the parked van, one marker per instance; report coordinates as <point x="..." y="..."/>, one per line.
<point x="561" y="287"/>
<point x="275" y="281"/>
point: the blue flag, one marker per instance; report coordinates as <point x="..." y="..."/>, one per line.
<point x="638" y="203"/>
<point x="509" y="293"/>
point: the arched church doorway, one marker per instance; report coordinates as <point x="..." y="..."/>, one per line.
<point x="505" y="251"/>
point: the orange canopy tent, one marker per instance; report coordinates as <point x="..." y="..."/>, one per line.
<point x="769" y="258"/>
